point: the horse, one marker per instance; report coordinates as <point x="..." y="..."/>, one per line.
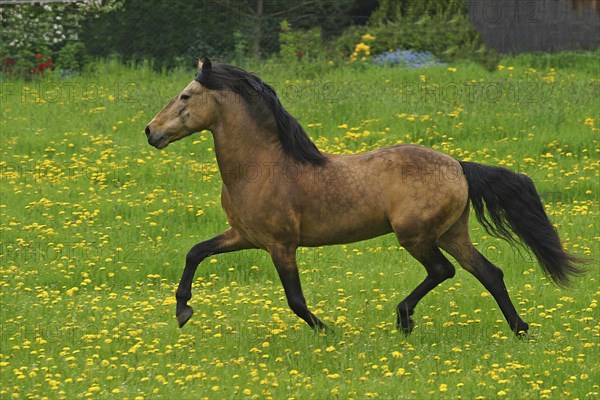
<point x="280" y="192"/>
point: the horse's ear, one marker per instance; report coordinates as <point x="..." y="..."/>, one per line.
<point x="206" y="65"/>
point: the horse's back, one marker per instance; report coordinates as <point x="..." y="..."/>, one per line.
<point x="411" y="190"/>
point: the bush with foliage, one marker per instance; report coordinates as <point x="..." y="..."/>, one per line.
<point x="439" y="26"/>
<point x="302" y="50"/>
<point x="170" y="34"/>
<point x="73" y="57"/>
<point x="33" y="29"/>
<point x="300" y="45"/>
<point x="415" y="10"/>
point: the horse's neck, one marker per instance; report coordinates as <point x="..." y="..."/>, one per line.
<point x="245" y="152"/>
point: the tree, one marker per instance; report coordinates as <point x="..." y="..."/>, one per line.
<point x="171" y="31"/>
<point x="260" y="19"/>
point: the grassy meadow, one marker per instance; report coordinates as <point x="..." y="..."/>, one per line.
<point x="96" y="224"/>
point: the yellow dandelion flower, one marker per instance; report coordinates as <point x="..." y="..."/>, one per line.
<point x="72" y="291"/>
<point x="365" y="48"/>
<point x="367" y="37"/>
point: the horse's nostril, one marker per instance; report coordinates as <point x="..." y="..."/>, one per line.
<point x="148" y="130"/>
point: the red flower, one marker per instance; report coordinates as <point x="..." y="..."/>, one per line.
<point x="52" y="68"/>
<point x="49" y="61"/>
<point x="38" y="55"/>
<point x="41" y="67"/>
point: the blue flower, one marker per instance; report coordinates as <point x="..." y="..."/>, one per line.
<point x="407" y="59"/>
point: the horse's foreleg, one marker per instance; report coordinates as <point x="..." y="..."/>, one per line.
<point x="228" y="241"/>
<point x="438" y="270"/>
<point x="284" y="258"/>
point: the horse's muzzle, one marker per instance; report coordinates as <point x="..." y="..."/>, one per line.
<point x="157" y="140"/>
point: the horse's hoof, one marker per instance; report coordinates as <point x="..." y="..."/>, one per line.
<point x="322" y="328"/>
<point x="522" y="334"/>
<point x="406" y="326"/>
<point x="184" y="315"/>
<point x="521" y="330"/>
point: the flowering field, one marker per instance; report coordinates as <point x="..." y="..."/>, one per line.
<point x="96" y="225"/>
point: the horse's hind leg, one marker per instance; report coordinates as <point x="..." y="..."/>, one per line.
<point x="438" y="270"/>
<point x="457" y="242"/>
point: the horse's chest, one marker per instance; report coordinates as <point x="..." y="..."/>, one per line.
<point x="258" y="218"/>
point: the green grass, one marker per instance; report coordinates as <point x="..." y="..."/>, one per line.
<point x="96" y="225"/>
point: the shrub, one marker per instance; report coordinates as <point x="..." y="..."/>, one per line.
<point x="29" y="30"/>
<point x="73" y="57"/>
<point x="302" y="50"/>
<point x="448" y="40"/>
<point x="302" y="46"/>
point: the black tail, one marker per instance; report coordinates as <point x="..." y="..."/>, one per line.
<point x="513" y="205"/>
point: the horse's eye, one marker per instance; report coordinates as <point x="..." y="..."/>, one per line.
<point x="184" y="97"/>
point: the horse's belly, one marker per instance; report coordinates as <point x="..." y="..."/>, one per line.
<point x="348" y="230"/>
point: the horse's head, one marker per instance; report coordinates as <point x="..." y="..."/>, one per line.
<point x="192" y="110"/>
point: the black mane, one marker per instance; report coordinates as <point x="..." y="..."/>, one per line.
<point x="294" y="140"/>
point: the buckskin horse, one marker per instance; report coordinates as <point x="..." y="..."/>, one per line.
<point x="281" y="192"/>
